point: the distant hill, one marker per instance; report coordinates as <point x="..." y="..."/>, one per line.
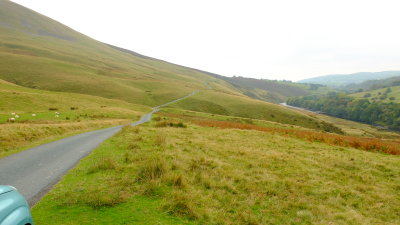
<point x="340" y="80"/>
<point x="266" y="90"/>
<point x="373" y="84"/>
<point x="387" y="95"/>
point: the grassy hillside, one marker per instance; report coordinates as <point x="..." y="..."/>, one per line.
<point x="38" y="52"/>
<point x="353" y="128"/>
<point x="241" y="106"/>
<point x="201" y="175"/>
<point x="26" y="101"/>
<point x="46" y="115"/>
<point x="387" y="95"/>
<point x="341" y="80"/>
<point x="370" y="85"/>
<point x="266" y="90"/>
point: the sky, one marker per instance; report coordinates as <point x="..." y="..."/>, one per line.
<point x="285" y="39"/>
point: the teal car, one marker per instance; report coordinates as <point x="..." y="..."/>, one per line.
<point x="14" y="210"/>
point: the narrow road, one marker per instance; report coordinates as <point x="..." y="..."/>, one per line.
<point x="34" y="171"/>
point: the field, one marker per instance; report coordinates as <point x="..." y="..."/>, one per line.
<point x="379" y="95"/>
<point x="353" y="128"/>
<point x="45" y="115"/>
<point x="172" y="171"/>
<point x="220" y="103"/>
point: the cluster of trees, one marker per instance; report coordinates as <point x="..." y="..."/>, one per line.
<point x="346" y="107"/>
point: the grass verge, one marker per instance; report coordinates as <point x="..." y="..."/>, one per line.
<point x="17" y="137"/>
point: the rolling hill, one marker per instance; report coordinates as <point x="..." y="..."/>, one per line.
<point x="341" y="80"/>
<point x="373" y="84"/>
<point x="266" y="90"/>
<point x="40" y="53"/>
<point x="387" y="95"/>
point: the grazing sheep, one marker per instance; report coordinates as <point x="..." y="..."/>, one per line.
<point x="11" y="120"/>
<point x="13" y="114"/>
<point x="57" y="116"/>
<point x="57" y="113"/>
<point x="33" y="114"/>
<point x="16" y="116"/>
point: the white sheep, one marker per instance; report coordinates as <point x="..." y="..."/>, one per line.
<point x="57" y="116"/>
<point x="12" y="120"/>
<point x="13" y="114"/>
<point x="16" y="116"/>
<point x="57" y="113"/>
<point x="33" y="114"/>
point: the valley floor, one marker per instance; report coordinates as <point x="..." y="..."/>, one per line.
<point x="172" y="171"/>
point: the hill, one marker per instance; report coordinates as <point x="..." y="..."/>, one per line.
<point x="387" y="95"/>
<point x="373" y="84"/>
<point x="266" y="90"/>
<point x="340" y="80"/>
<point x="40" y="53"/>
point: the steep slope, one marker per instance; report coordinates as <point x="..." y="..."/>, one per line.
<point x="40" y="53"/>
<point x="338" y="80"/>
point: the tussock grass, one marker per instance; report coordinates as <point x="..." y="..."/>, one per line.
<point x="170" y="124"/>
<point x="207" y="175"/>
<point x="154" y="169"/>
<point x="103" y="164"/>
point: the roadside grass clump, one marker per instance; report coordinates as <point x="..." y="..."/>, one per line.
<point x="181" y="204"/>
<point x="160" y="139"/>
<point x="101" y="197"/>
<point x="170" y="124"/>
<point x="152" y="170"/>
<point x="107" y="163"/>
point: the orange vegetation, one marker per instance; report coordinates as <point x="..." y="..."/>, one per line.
<point x="368" y="144"/>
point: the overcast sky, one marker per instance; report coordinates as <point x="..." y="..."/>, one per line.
<point x="280" y="39"/>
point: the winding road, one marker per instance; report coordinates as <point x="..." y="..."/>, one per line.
<point x="34" y="171"/>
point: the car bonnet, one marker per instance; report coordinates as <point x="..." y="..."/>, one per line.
<point x="5" y="189"/>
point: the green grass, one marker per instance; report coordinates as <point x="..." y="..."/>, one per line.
<point x="220" y="103"/>
<point x="77" y="113"/>
<point x="18" y="137"/>
<point x="213" y="176"/>
<point x="26" y="101"/>
<point x="377" y="94"/>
